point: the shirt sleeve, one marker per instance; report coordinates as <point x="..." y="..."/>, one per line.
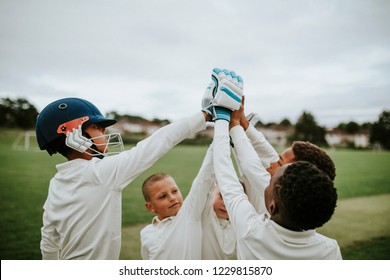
<point x="49" y="241"/>
<point x="255" y="177"/>
<point x="119" y="170"/>
<point x="241" y="212"/>
<point x="144" y="249"/>
<point x="203" y="183"/>
<point x="263" y="148"/>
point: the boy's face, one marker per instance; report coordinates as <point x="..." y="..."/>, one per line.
<point x="287" y="156"/>
<point x="165" y="198"/>
<point x="97" y="133"/>
<point x="219" y="205"/>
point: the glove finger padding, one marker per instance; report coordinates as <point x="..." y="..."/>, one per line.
<point x="207" y="105"/>
<point x="228" y="89"/>
<point x="215" y="112"/>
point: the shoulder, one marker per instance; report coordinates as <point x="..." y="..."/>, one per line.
<point x="147" y="229"/>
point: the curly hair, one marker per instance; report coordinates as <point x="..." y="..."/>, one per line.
<point x="306" y="195"/>
<point x="306" y="151"/>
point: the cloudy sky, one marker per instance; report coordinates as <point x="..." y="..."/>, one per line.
<point x="154" y="58"/>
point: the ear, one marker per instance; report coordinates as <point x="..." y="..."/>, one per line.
<point x="149" y="206"/>
<point x="272" y="208"/>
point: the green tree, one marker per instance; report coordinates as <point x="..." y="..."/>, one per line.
<point x="285" y="123"/>
<point x="306" y="129"/>
<point x="380" y="130"/>
<point x="366" y="126"/>
<point x="352" y="128"/>
<point x="17" y="113"/>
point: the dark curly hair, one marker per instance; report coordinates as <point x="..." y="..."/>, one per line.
<point x="306" y="151"/>
<point x="306" y="196"/>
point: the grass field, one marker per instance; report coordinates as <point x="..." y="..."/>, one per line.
<point x="360" y="224"/>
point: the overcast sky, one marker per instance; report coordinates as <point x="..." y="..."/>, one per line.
<point x="154" y="58"/>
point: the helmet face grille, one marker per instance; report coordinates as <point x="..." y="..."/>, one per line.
<point x="113" y="145"/>
<point x="100" y="146"/>
<point x="63" y="111"/>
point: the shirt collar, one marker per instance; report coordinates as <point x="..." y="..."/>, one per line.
<point x="157" y="221"/>
<point x="293" y="237"/>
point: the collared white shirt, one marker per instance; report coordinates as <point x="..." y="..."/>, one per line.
<point x="258" y="237"/>
<point x="219" y="239"/>
<point x="83" y="210"/>
<point x="153" y="235"/>
<point x="252" y="163"/>
<point x="180" y="237"/>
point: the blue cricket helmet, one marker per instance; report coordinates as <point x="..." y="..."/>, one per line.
<point x="62" y="111"/>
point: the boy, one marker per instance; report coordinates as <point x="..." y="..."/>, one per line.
<point x="251" y="142"/>
<point x="218" y="239"/>
<point x="179" y="235"/>
<point x="176" y="230"/>
<point x="197" y="229"/>
<point x="299" y="198"/>
<point x="82" y="213"/>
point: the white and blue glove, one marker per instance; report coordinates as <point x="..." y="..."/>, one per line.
<point x="223" y="94"/>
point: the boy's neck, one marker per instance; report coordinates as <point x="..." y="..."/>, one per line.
<point x="285" y="224"/>
<point x="77" y="155"/>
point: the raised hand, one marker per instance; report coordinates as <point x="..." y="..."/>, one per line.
<point x="223" y="94"/>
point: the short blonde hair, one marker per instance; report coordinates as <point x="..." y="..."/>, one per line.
<point x="150" y="181"/>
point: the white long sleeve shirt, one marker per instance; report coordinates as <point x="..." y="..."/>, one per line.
<point x="219" y="240"/>
<point x="82" y="213"/>
<point x="180" y="237"/>
<point x="258" y="237"/>
<point x="254" y="175"/>
<point x="263" y="148"/>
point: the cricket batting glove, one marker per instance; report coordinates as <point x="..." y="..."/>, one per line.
<point x="253" y="118"/>
<point x="214" y="111"/>
<point x="207" y="99"/>
<point x="227" y="91"/>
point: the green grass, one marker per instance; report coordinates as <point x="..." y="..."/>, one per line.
<point x="361" y="173"/>
<point x="24" y="178"/>
<point x="374" y="249"/>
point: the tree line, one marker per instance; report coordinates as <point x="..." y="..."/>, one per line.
<point x="20" y="113"/>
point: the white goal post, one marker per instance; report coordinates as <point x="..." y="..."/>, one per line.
<point x="26" y="141"/>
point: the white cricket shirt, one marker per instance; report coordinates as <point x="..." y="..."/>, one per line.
<point x="219" y="240"/>
<point x="254" y="176"/>
<point x="258" y="237"/>
<point x="82" y="213"/>
<point x="180" y="237"/>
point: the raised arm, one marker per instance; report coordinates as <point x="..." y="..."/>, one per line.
<point x="201" y="188"/>
<point x="263" y="148"/>
<point x="136" y="160"/>
<point x="241" y="211"/>
<point x="252" y="172"/>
